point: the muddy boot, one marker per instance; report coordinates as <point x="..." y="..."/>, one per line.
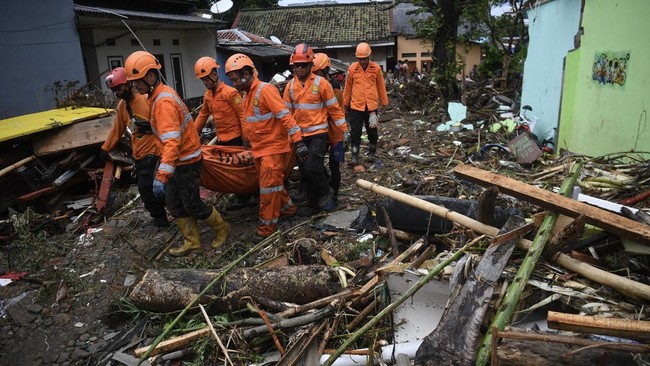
<point x="372" y="149"/>
<point x="190" y="230"/>
<point x="220" y="227"/>
<point x="355" y="155"/>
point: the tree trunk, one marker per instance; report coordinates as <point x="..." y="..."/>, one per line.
<point x="444" y="49"/>
<point x="166" y="290"/>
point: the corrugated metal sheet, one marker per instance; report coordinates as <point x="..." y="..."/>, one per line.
<point x="117" y="13"/>
<point x="28" y="124"/>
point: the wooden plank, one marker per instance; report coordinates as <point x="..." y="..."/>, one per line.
<point x="456" y="336"/>
<point x="616" y="224"/>
<point x="625" y="328"/>
<point x="80" y="134"/>
<point x="174" y="343"/>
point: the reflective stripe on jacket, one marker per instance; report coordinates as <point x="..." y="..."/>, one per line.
<point x="268" y="125"/>
<point x="364" y="88"/>
<point x="312" y="104"/>
<point x="172" y="123"/>
<point x="142" y="145"/>
<point x="225" y="106"/>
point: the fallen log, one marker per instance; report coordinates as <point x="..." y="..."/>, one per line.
<point x="619" y="283"/>
<point x="167" y="290"/>
<point x="625" y="328"/>
<point x="616" y="224"/>
<point x="454" y="340"/>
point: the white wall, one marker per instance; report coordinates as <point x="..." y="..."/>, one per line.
<point x="379" y="54"/>
<point x="192" y="45"/>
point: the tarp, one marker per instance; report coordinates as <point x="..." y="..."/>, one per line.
<point x="224" y="169"/>
<point x="28" y="124"/>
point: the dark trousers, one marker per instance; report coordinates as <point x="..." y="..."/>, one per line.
<point x="145" y="170"/>
<point x="337" y="156"/>
<point x="358" y="119"/>
<point x="182" y="193"/>
<point x="313" y="171"/>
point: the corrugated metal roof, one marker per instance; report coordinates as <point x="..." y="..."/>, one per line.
<point x="321" y="25"/>
<point x="127" y="14"/>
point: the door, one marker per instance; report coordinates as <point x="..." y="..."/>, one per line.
<point x="177" y="74"/>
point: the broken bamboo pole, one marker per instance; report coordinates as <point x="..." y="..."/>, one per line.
<point x="388" y="309"/>
<point x="625" y="328"/>
<point x="622" y="284"/>
<point x="207" y="288"/>
<point x="16" y="165"/>
<point x="526" y="269"/>
<point x="609" y="221"/>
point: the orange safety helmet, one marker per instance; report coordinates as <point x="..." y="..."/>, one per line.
<point x="237" y="62"/>
<point x="204" y="66"/>
<point x="321" y="62"/>
<point x="138" y="63"/>
<point x="303" y="53"/>
<point x="363" y="50"/>
<point x="116" y="77"/>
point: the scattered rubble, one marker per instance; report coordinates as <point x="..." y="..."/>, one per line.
<point x="419" y="253"/>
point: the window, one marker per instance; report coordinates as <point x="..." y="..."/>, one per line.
<point x="425" y="54"/>
<point x="134" y="42"/>
<point x="156" y="42"/>
<point x="115" y="61"/>
<point x="176" y="42"/>
<point x="409" y="55"/>
<point x="110" y="42"/>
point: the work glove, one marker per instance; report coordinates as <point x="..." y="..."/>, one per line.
<point x="302" y="151"/>
<point x="373" y="121"/>
<point x="346" y="140"/>
<point x="158" y="189"/>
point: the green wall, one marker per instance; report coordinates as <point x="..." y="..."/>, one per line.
<point x="601" y="118"/>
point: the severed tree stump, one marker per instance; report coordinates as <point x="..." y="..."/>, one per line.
<point x="166" y="290"/>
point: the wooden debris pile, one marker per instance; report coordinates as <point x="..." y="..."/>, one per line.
<point x="497" y="279"/>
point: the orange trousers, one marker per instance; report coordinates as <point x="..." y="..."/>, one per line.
<point x="274" y="199"/>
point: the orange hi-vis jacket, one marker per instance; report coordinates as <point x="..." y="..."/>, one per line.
<point x="364" y="88"/>
<point x="172" y="123"/>
<point x="335" y="134"/>
<point x="269" y="124"/>
<point x="312" y="104"/>
<point x="227" y="110"/>
<point x="142" y="145"/>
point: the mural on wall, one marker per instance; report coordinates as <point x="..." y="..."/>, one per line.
<point x="611" y="67"/>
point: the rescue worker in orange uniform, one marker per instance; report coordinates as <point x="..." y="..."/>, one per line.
<point x="270" y="127"/>
<point x="132" y="112"/>
<point x="312" y="100"/>
<point x="364" y="90"/>
<point x="223" y="102"/>
<point x="337" y="138"/>
<point x="177" y="177"/>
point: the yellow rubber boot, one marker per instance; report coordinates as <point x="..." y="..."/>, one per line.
<point x="220" y="227"/>
<point x="190" y="230"/>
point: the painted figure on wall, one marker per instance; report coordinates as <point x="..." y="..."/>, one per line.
<point x="610" y="68"/>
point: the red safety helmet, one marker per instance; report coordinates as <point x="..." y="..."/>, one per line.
<point x="303" y="53"/>
<point x="116" y="77"/>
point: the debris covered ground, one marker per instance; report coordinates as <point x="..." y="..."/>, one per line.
<point x="71" y="301"/>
